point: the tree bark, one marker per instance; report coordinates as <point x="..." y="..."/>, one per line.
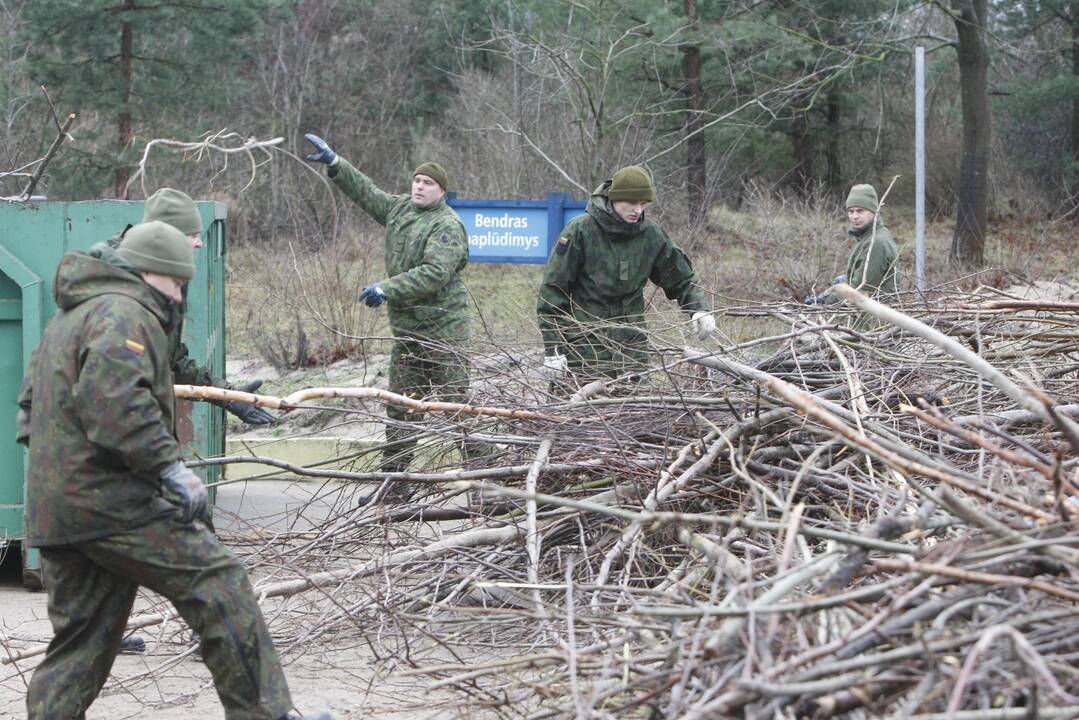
<point x="801" y="151"/>
<point x="123" y="117"/>
<point x="968" y="240"/>
<point x="1074" y="173"/>
<point x="833" y="169"/>
<point x="696" y="153"/>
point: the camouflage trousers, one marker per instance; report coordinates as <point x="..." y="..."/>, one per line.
<point x="91" y="587"/>
<point x="596" y="356"/>
<point x="421" y="370"/>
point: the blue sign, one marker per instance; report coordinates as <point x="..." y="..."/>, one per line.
<point x="515" y="231"/>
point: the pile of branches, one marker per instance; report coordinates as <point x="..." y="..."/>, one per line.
<point x="870" y="514"/>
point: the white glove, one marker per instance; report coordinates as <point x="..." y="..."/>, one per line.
<point x="703" y="325"/>
<point x="555" y="366"/>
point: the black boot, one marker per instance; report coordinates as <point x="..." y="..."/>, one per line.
<point x="316" y="716"/>
<point x="132" y="645"/>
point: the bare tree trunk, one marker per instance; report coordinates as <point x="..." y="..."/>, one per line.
<point x="801" y="152"/>
<point x="968" y="241"/>
<point x="696" y="154"/>
<point x="123" y="117"/>
<point x="1073" y="187"/>
<point x="833" y="169"/>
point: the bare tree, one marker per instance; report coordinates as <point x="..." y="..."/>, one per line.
<point x="696" y="154"/>
<point x="968" y="240"/>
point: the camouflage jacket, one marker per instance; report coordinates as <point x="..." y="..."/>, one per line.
<point x="871" y="266"/>
<point x="185" y="368"/>
<point x="593" y="290"/>
<point x="101" y="426"/>
<point x="426" y="251"/>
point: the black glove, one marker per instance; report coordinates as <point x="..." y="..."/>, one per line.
<point x="188" y="488"/>
<point x="250" y="414"/>
<point x="372" y="295"/>
<point x="812" y="300"/>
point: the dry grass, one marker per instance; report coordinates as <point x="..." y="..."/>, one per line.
<point x="773" y="250"/>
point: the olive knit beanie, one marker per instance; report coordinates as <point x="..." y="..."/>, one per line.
<point x="175" y="208"/>
<point x="434" y="171"/>
<point x="160" y="248"/>
<point x="633" y="184"/>
<point x="862" y="196"/>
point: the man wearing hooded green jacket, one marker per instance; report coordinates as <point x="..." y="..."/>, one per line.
<point x="101" y="453"/>
<point x="430" y="314"/>
<point x="871" y="265"/>
<point x="178" y="209"/>
<point x="591" y="302"/>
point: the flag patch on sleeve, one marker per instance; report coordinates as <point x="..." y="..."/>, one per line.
<point x="135" y="347"/>
<point x="562" y="246"/>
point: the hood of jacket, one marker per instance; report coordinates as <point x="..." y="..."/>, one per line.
<point x="85" y="276"/>
<point x="602" y="211"/>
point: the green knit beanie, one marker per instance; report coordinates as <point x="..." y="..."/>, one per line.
<point x="632" y="184"/>
<point x="175" y="208"/>
<point x="160" y="248"/>
<point x="862" y="196"/>
<point x="434" y="171"/>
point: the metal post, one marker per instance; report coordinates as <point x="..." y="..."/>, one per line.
<point x="919" y="167"/>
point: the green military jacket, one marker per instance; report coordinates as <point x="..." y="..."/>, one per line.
<point x="100" y="429"/>
<point x="426" y="251"/>
<point x="871" y="267"/>
<point x="185" y="369"/>
<point x="591" y="302"/>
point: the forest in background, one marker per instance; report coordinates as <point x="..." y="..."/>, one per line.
<point x="720" y="98"/>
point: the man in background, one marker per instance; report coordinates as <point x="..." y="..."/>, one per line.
<point x="871" y="265"/>
<point x="591" y="302"/>
<point x="178" y="209"/>
<point x="426" y="250"/>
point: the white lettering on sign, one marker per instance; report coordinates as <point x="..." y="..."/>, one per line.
<point x="504" y="239"/>
<point x="507" y="223"/>
<point x="504" y="220"/>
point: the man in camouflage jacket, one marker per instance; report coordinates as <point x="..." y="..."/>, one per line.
<point x="871" y="265"/>
<point x="591" y="302"/>
<point x="178" y="209"/>
<point x="101" y="451"/>
<point x="426" y="250"/>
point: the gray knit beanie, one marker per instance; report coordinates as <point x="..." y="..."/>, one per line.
<point x="175" y="208"/>
<point x="160" y="248"/>
<point x="863" y="196"/>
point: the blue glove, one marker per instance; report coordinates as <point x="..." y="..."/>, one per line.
<point x="811" y="300"/>
<point x="324" y="154"/>
<point x="372" y="296"/>
<point x="839" y="279"/>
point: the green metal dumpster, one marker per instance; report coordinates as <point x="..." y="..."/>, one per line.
<point x="33" y="238"/>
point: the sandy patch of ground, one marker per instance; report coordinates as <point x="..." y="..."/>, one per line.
<point x="1046" y="290"/>
<point x="337" y="672"/>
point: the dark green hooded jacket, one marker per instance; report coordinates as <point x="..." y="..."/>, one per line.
<point x="591" y="302"/>
<point x="101" y="427"/>
<point x="426" y="251"/>
<point x="871" y="266"/>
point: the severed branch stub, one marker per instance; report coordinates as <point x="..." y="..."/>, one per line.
<point x="32" y="185"/>
<point x="296" y="400"/>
